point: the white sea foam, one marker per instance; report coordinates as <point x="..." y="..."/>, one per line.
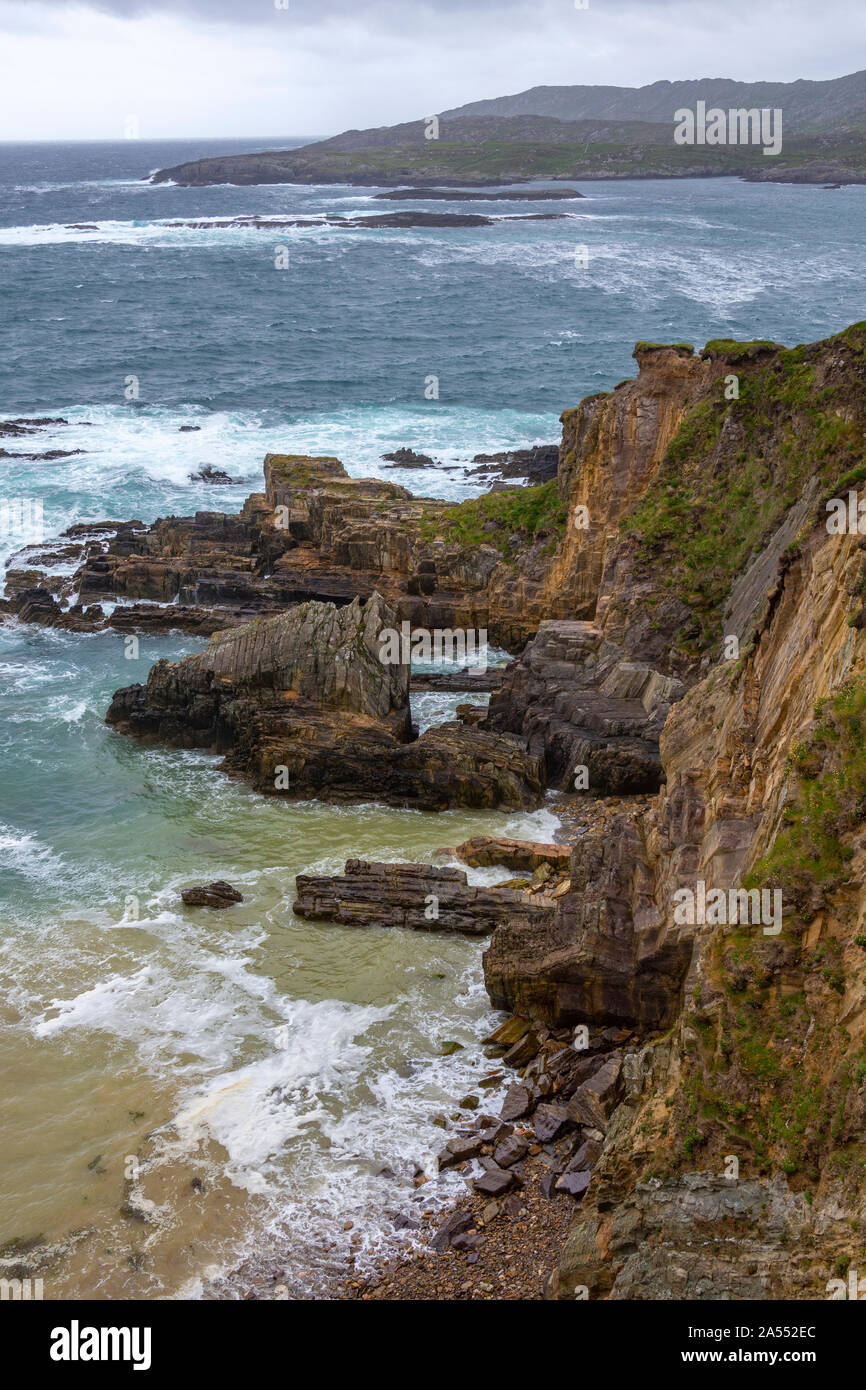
<point x="26" y="854"/>
<point x="253" y="1111"/>
<point x="145" y="447"/>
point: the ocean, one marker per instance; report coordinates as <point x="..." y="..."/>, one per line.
<point x="191" y="1100"/>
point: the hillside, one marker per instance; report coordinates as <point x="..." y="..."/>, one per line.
<point x="576" y="133"/>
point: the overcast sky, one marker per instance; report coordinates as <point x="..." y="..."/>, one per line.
<point x="248" y="68"/>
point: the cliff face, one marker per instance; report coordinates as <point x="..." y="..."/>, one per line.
<point x="734" y="1164"/>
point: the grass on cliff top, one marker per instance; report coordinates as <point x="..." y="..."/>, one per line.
<point x="734" y="351"/>
<point x="657" y="347"/>
<point x="495" y="517"/>
<point x="736" y="467"/>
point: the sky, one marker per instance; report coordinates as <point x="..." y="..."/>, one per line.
<point x="247" y="68"/>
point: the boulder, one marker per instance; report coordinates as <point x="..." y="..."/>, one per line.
<point x="519" y="1100"/>
<point x="459" y="1149"/>
<point x="458" y="1222"/>
<point x="548" y="1121"/>
<point x="218" y="894"/>
<point x="484" y="850"/>
<point x="510" y="1151"/>
<point x="494" y="1182"/>
<point x="594" y="1100"/>
<point x="574" y="1183"/>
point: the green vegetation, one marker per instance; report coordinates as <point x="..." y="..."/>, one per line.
<point x="494" y="518"/>
<point x="736" y="466"/>
<point x="655" y="347"/>
<point x="772" y="1074"/>
<point x="647" y="154"/>
<point x="733" y="351"/>
<point x="767" y="1078"/>
<point x="809" y="858"/>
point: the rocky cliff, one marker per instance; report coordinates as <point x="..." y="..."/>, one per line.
<point x="713" y="598"/>
<point x="733" y="1163"/>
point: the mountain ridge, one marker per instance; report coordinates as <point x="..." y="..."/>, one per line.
<point x="575" y="132"/>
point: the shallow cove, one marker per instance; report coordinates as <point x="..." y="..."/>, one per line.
<point x="195" y="1090"/>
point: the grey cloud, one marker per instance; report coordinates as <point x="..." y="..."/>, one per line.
<point x="403" y="15"/>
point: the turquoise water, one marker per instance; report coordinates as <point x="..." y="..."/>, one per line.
<point x="279" y="1063"/>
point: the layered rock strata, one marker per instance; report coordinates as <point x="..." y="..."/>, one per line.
<point x="302" y="704"/>
<point x="416" y="896"/>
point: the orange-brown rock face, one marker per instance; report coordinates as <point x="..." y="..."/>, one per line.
<point x="612" y="445"/>
<point x="727" y="925"/>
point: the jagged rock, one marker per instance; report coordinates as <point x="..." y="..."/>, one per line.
<point x="218" y="894"/>
<point x="418" y="896"/>
<point x="548" y="1121"/>
<point x="459" y="1149"/>
<point x="38" y="606"/>
<point x="583" y="705"/>
<point x="303" y="704"/>
<point x="458" y="1222"/>
<point x="518" y="1102"/>
<point x="483" y="850"/>
<point x="587" y="1155"/>
<point x="407" y="458"/>
<point x="467" y="1240"/>
<point x="510" y="1151"/>
<point x="574" y="1183"/>
<point x="496" y="1132"/>
<point x="208" y="474"/>
<point x="316" y="655"/>
<point x="537" y="465"/>
<point x="523" y="1051"/>
<point x="594" y="1100"/>
<point x="511" y="1031"/>
<point x="471" y="714"/>
<point x="587" y="960"/>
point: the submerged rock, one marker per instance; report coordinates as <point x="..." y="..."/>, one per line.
<point x="217" y="894"/>
<point x="537" y="465"/>
<point x="407" y="458"/>
<point x="208" y="474"/>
